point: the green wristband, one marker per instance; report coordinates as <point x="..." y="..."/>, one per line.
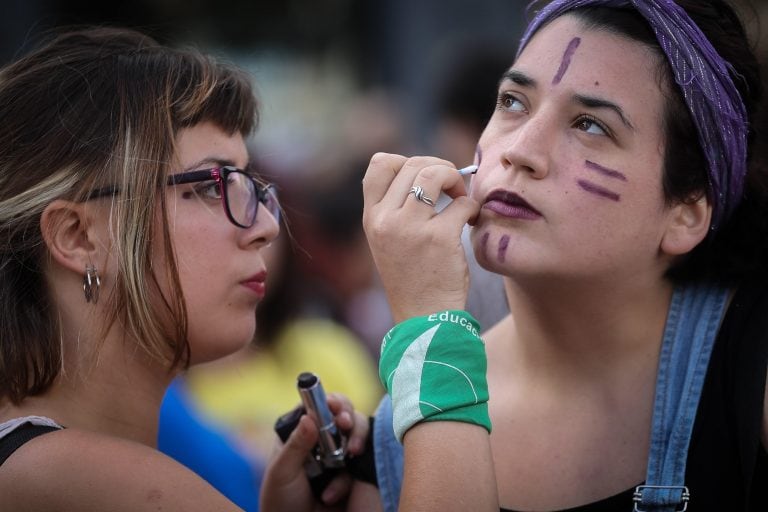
<point x="434" y="369"/>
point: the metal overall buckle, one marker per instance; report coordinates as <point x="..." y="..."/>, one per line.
<point x="637" y="497"/>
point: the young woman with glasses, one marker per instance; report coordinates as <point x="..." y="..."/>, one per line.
<point x="131" y="237"/>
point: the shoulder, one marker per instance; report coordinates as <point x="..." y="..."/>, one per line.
<point x="78" y="470"/>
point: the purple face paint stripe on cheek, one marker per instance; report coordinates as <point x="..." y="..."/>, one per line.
<point x="484" y="241"/>
<point x="503" y="244"/>
<point x="600" y="191"/>
<point x="569" y="51"/>
<point x="478" y="155"/>
<point x="605" y="171"/>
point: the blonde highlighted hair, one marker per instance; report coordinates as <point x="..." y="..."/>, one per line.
<point x="93" y="108"/>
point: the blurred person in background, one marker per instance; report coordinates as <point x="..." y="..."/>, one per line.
<point x="333" y="254"/>
<point x="210" y="448"/>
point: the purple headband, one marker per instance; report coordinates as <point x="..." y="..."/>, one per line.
<point x="703" y="76"/>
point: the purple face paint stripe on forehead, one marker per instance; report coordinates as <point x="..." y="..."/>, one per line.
<point x="605" y="171"/>
<point x="503" y="244"/>
<point x="566" y="60"/>
<point x="705" y="80"/>
<point x="598" y="190"/>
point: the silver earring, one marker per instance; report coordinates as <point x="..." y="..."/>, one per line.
<point x="91" y="284"/>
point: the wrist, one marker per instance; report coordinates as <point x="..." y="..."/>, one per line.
<point x="434" y="368"/>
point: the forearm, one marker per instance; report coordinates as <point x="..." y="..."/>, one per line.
<point x="448" y="466"/>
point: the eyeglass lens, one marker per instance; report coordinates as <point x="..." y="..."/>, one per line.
<point x="243" y="199"/>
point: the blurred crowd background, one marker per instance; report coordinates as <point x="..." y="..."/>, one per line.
<point x="338" y="80"/>
<point x="310" y="58"/>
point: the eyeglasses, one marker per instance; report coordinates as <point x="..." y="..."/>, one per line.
<point x="239" y="192"/>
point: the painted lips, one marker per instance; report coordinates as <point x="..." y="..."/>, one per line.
<point x="509" y="204"/>
<point x="257" y="284"/>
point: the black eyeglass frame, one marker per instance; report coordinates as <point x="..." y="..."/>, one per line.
<point x="219" y="175"/>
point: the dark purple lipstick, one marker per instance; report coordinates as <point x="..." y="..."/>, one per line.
<point x="509" y="204"/>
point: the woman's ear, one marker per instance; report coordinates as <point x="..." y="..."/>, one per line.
<point x="65" y="229"/>
<point x="688" y="226"/>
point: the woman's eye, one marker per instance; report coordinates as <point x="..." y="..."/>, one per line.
<point x="208" y="190"/>
<point x="591" y="125"/>
<point x="507" y="101"/>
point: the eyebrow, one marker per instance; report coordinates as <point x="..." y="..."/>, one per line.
<point x="519" y="78"/>
<point x="216" y="162"/>
<point x="594" y="102"/>
<point x="523" y="80"/>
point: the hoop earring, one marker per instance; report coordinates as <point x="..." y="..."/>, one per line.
<point x="91" y="284"/>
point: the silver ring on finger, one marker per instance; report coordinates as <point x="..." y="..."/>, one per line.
<point x="419" y="194"/>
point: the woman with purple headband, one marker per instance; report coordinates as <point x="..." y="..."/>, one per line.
<point x="621" y="195"/>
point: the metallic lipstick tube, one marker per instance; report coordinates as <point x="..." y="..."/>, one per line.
<point x="330" y="444"/>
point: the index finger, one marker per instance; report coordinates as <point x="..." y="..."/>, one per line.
<point x="457" y="186"/>
<point x="382" y="169"/>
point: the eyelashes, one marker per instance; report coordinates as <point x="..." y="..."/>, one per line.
<point x="509" y="102"/>
<point x="587" y="123"/>
<point x="504" y="102"/>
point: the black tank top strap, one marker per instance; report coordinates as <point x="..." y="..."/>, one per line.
<point x="19" y="436"/>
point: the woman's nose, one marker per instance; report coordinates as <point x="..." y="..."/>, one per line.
<point x="264" y="230"/>
<point x="526" y="146"/>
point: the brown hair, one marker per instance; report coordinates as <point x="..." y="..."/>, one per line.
<point x="92" y="108"/>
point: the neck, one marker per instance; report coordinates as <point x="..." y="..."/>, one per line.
<point x="116" y="393"/>
<point x="583" y="331"/>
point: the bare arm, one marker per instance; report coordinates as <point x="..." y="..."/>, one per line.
<point x="453" y="447"/>
<point x="364" y="498"/>
<point x="83" y="471"/>
<point x="421" y="261"/>
<point x="448" y="467"/>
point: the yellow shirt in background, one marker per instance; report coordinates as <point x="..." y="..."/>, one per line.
<point x="249" y="394"/>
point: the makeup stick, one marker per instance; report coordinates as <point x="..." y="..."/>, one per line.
<point x="470" y="169"/>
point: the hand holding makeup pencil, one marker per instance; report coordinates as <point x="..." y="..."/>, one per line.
<point x="417" y="249"/>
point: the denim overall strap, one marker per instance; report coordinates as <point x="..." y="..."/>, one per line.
<point x="388" y="454"/>
<point x="692" y="324"/>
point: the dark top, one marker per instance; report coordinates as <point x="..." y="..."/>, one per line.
<point x="727" y="465"/>
<point x="23" y="433"/>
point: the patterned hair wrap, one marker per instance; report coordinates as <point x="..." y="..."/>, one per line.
<point x="704" y="79"/>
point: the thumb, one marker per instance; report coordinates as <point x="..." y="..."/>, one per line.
<point x="285" y="486"/>
<point x="289" y="461"/>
